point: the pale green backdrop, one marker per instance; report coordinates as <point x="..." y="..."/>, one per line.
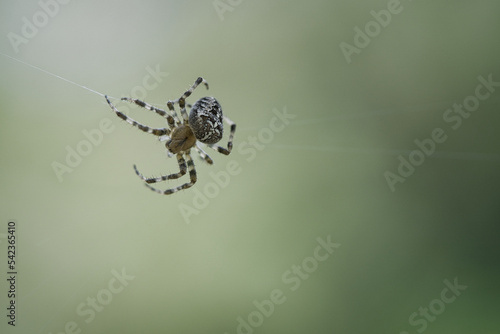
<point x="307" y="227"/>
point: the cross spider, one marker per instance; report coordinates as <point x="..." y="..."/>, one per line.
<point x="204" y="124"/>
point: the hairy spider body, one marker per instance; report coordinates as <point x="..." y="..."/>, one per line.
<point x="206" y="120"/>
<point x="181" y="139"/>
<point x="204" y="124"/>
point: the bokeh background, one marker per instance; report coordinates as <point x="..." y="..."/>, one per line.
<point x="198" y="266"/>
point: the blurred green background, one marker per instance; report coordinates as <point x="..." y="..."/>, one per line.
<point x="202" y="263"/>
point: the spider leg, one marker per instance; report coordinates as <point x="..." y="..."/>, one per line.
<point x="192" y="176"/>
<point x="182" y="171"/>
<point x="170" y="105"/>
<point x="203" y="154"/>
<point x="156" y="132"/>
<point x="170" y="119"/>
<point x="227" y="150"/>
<point x="164" y="138"/>
<point x="182" y="100"/>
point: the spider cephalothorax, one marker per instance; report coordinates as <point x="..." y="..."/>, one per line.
<point x="204" y="124"/>
<point x="181" y="139"/>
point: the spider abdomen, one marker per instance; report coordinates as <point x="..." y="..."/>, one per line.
<point x="205" y="119"/>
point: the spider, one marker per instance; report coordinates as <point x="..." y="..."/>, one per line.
<point x="203" y="125"/>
